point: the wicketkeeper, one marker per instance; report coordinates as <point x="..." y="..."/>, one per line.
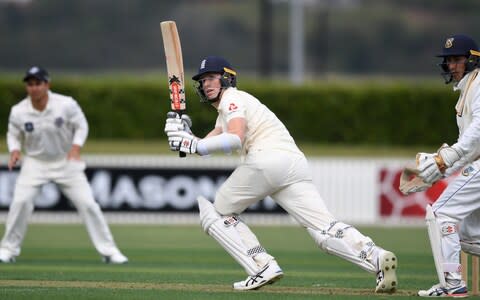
<point x="453" y="221"/>
<point x="50" y="129"/>
<point x="272" y="165"/>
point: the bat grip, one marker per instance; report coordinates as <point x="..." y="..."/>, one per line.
<point x="180" y="153"/>
<point x="172" y="114"/>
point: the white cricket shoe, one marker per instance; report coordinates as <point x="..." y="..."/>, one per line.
<point x="116" y="259"/>
<point x="268" y="275"/>
<point x="6" y="256"/>
<point x="458" y="291"/>
<point x="386" y="275"/>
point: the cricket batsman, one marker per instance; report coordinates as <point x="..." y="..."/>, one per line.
<point x="272" y="165"/>
<point x="453" y="221"/>
<point x="50" y="129"/>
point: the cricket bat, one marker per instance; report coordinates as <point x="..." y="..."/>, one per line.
<point x="174" y="60"/>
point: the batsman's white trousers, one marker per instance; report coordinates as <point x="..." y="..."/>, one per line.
<point x="460" y="204"/>
<point x="285" y="177"/>
<point x="70" y="178"/>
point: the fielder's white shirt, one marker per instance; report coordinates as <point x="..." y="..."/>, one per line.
<point x="264" y="129"/>
<point x="48" y="134"/>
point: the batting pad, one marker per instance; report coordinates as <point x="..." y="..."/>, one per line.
<point x="339" y="247"/>
<point x="223" y="230"/>
<point x="436" y="244"/>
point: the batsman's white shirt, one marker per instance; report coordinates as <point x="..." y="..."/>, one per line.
<point x="272" y="165"/>
<point x="264" y="129"/>
<point x="48" y="134"/>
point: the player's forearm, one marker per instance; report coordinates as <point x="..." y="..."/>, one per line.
<point x="225" y="142"/>
<point x="214" y="132"/>
<point x="13" y="142"/>
<point x="80" y="134"/>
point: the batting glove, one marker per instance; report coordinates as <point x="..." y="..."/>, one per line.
<point x="176" y="123"/>
<point x="187" y="123"/>
<point x="428" y="168"/>
<point x="182" y="141"/>
<point x="173" y="123"/>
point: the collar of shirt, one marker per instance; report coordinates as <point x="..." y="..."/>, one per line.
<point x="228" y="90"/>
<point x="461" y="84"/>
<point x="47" y="108"/>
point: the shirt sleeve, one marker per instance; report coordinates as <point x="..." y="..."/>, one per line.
<point x="233" y="108"/>
<point x="79" y="122"/>
<point x="14" y="133"/>
<point x="469" y="141"/>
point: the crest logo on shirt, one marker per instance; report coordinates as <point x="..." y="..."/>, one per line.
<point x="28" y="126"/>
<point x="232" y="107"/>
<point x="59" y="122"/>
<point x="468" y="170"/>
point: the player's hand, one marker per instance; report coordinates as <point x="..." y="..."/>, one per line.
<point x="410" y="182"/>
<point x="15" y="156"/>
<point x="74" y="153"/>
<point x="173" y="122"/>
<point x="427" y="167"/>
<point x="176" y="123"/>
<point x="182" y="141"/>
<point x="187" y="123"/>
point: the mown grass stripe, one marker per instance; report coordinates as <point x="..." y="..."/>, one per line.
<point x="190" y="287"/>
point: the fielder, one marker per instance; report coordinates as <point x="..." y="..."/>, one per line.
<point x="453" y="221"/>
<point x="51" y="128"/>
<point x="271" y="165"/>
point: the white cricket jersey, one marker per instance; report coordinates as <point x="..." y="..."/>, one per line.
<point x="48" y="134"/>
<point x="264" y="129"/>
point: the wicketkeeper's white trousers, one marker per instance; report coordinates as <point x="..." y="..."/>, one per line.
<point x="460" y="204"/>
<point x="70" y="178"/>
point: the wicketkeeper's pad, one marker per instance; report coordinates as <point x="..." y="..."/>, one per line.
<point x="410" y="182"/>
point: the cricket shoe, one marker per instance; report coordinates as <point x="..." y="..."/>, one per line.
<point x="457" y="291"/>
<point x="386" y="274"/>
<point x="116" y="259"/>
<point x="6" y="257"/>
<point x="268" y="275"/>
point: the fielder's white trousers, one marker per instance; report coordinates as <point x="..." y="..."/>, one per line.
<point x="70" y="178"/>
<point x="460" y="204"/>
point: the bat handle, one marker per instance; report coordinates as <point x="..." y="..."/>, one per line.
<point x="172" y="114"/>
<point x="180" y="153"/>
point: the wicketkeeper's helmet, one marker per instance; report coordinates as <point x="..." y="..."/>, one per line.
<point x="215" y="65"/>
<point x="459" y="45"/>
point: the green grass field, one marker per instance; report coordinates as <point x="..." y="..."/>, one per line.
<point x="181" y="262"/>
<point x="152" y="147"/>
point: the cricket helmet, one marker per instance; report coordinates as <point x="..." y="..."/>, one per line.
<point x="215" y="65"/>
<point x="459" y="45"/>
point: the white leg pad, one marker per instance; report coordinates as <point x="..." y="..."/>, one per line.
<point x="222" y="229"/>
<point x="435" y="235"/>
<point x="339" y="247"/>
